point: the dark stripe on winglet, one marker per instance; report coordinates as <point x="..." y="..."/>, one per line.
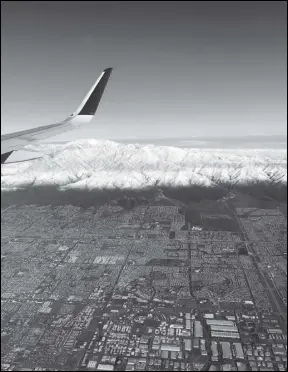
<point x="5" y="156"/>
<point x="92" y="103"/>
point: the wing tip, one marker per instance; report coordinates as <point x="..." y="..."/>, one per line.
<point x="93" y="100"/>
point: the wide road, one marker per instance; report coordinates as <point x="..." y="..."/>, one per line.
<point x="276" y="302"/>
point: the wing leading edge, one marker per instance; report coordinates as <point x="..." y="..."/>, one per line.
<point x="83" y="115"/>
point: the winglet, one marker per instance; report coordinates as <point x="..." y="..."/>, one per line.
<point x="83" y="115"/>
<point x="91" y="101"/>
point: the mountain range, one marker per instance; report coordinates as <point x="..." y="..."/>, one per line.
<point x="93" y="164"/>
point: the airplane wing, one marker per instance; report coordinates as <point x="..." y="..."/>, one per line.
<point x="83" y="115"/>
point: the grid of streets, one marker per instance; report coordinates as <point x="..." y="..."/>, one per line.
<point x="111" y="289"/>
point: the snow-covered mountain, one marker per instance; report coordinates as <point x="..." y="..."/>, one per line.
<point x="97" y="163"/>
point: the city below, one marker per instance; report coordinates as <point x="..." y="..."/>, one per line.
<point x="143" y="288"/>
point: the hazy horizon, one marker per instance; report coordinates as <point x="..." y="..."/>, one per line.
<point x="239" y="142"/>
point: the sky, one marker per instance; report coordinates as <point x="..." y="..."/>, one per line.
<point x="182" y="69"/>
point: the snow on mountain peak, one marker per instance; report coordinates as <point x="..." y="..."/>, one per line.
<point x="97" y="163"/>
